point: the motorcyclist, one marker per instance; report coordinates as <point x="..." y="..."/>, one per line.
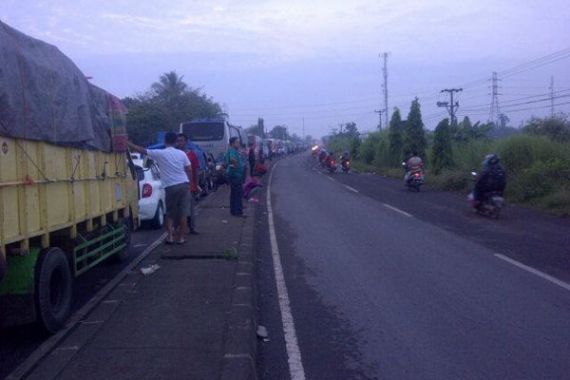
<point x="493" y="179"/>
<point x="413" y="165"/>
<point x="330" y="159"/>
<point x="323" y="155"/>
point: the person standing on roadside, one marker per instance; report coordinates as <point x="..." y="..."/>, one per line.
<point x="235" y="174"/>
<point x="182" y="144"/>
<point x="251" y="159"/>
<point x="175" y="175"/>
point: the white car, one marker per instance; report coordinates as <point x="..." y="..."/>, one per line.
<point x="151" y="192"/>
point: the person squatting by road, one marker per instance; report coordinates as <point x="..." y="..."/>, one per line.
<point x="175" y="175"/>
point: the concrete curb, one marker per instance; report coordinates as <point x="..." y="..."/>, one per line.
<point x="240" y="348"/>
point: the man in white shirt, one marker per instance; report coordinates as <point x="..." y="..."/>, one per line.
<point x="175" y="175"/>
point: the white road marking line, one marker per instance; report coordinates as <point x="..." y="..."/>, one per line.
<point x="296" y="370"/>
<point x="351" y="188"/>
<point x="397" y="210"/>
<point x="331" y="178"/>
<point x="545" y="276"/>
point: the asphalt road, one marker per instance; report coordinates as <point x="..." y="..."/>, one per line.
<point x="390" y="284"/>
<point x="17" y="343"/>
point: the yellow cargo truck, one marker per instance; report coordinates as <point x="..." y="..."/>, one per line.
<point x="68" y="199"/>
<point x="64" y="210"/>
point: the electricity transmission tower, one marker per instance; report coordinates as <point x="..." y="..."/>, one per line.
<point x="494" y="112"/>
<point x="379" y="112"/>
<point x="452" y="105"/>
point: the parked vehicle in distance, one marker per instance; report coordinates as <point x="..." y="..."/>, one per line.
<point x="212" y="135"/>
<point x="152" y="205"/>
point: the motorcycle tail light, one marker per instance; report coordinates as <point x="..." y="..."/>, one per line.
<point x="146" y="190"/>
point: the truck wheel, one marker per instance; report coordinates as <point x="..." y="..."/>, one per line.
<point x="124" y="253"/>
<point x="158" y="220"/>
<point x="53" y="289"/>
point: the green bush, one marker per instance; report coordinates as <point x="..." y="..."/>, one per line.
<point x="558" y="201"/>
<point x="522" y="151"/>
<point x="367" y="148"/>
<point x="451" y="180"/>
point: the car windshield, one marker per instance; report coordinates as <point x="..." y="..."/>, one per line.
<point x="203" y="131"/>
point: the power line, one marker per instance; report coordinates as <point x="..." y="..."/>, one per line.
<point x="536" y="63"/>
<point x="551" y="96"/>
<point x="524" y="109"/>
<point x="507" y="102"/>
<point x="523" y="103"/>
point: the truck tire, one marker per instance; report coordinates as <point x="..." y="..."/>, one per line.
<point x="53" y="295"/>
<point x="158" y="220"/>
<point x="123" y="255"/>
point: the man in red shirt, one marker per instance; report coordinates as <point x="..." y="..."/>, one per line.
<point x="182" y="144"/>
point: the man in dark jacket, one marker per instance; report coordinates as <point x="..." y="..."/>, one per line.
<point x="493" y="178"/>
<point x="251" y="159"/>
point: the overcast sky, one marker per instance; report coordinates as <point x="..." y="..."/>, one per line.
<point x="285" y="60"/>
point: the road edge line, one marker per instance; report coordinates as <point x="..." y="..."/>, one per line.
<point x="296" y="370"/>
<point x="536" y="272"/>
<point x="46" y="347"/>
<point x="397" y="210"/>
<point x="351" y="189"/>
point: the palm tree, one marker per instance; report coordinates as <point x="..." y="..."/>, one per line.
<point x="170" y="85"/>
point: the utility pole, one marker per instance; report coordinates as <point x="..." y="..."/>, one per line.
<point x="385" y="86"/>
<point x="551" y="88"/>
<point x="303" y="129"/>
<point x="340" y="126"/>
<point x="494" y="111"/>
<point x="452" y="105"/>
<point x="379" y="112"/>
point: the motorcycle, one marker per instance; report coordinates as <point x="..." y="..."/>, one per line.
<point x="491" y="204"/>
<point x="331" y="166"/>
<point x="345" y="166"/>
<point x="414" y="180"/>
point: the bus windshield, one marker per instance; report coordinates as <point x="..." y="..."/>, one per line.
<point x="204" y="131"/>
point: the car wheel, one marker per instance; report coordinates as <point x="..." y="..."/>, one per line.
<point x="158" y="220"/>
<point x="53" y="289"/>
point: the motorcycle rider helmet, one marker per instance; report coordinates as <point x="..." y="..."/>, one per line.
<point x="491" y="159"/>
